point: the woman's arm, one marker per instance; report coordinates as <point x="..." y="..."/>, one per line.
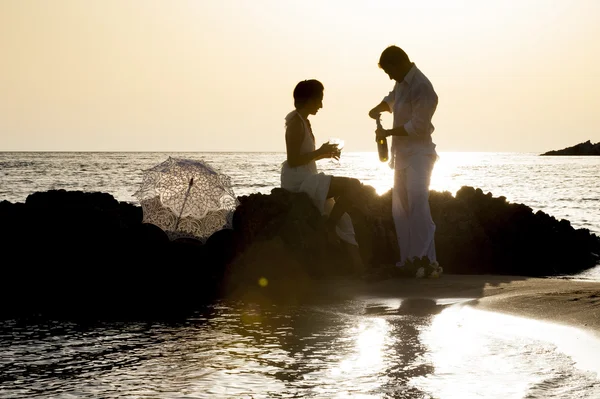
<point x="294" y="134"/>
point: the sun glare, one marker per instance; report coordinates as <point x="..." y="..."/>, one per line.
<point x="449" y="167"/>
<point x="369" y="345"/>
<point x="464" y="341"/>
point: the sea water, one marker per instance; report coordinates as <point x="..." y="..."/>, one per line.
<point x="360" y="348"/>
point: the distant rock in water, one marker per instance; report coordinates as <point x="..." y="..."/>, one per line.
<point x="87" y="255"/>
<point x="586" y="148"/>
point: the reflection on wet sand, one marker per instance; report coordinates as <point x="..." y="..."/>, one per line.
<point x="371" y="347"/>
<point x="362" y="347"/>
<point x="478" y="353"/>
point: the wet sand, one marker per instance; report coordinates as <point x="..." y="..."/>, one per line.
<point x="566" y="301"/>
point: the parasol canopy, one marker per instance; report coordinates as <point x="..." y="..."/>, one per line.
<point x="187" y="198"/>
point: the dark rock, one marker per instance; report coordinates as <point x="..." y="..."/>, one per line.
<point x="585" y="148"/>
<point x="267" y="271"/>
<point x="86" y="255"/>
<point x="220" y="249"/>
<point x="294" y="219"/>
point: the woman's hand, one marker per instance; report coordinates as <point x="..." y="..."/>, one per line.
<point x="328" y="150"/>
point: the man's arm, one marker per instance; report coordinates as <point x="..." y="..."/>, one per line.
<point x="424" y="102"/>
<point x="382" y="107"/>
<point x="386" y="105"/>
<point x="397" y="131"/>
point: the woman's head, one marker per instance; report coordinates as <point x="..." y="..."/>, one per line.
<point x="308" y="95"/>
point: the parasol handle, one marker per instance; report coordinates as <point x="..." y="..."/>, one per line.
<point x="187" y="194"/>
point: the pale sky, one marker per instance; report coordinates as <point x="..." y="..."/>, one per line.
<point x="218" y="75"/>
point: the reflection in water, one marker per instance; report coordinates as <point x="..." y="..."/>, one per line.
<point x="368" y="348"/>
<point x="482" y="354"/>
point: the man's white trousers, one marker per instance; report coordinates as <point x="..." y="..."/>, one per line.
<point x="410" y="207"/>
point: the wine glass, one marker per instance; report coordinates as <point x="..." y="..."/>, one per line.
<point x="339" y="143"/>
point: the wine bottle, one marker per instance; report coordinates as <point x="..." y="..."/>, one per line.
<point x="382" y="147"/>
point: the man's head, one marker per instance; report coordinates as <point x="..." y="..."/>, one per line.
<point x="308" y="94"/>
<point x="395" y="62"/>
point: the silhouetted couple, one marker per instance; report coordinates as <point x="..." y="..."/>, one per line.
<point x="412" y="102"/>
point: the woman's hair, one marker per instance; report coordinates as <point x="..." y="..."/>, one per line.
<point x="393" y="55"/>
<point x="307" y="90"/>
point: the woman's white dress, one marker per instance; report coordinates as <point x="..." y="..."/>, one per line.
<point x="306" y="178"/>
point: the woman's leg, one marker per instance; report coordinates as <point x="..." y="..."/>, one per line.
<point x="347" y="193"/>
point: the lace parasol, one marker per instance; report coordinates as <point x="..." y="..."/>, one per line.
<point x="187" y="198"/>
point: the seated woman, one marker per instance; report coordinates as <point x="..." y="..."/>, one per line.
<point x="332" y="195"/>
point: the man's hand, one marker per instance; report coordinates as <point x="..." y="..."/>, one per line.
<point x="374" y="113"/>
<point x="381" y="133"/>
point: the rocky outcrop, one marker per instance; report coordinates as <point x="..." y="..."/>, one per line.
<point x="87" y="255"/>
<point x="586" y="148"/>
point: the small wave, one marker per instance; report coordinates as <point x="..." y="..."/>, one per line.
<point x="253" y="185"/>
<point x="562" y="383"/>
<point x="17" y="164"/>
<point x="578" y="199"/>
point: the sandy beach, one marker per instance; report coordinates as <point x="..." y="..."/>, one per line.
<point x="572" y="302"/>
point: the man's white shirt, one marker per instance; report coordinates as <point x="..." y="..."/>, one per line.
<point x="413" y="102"/>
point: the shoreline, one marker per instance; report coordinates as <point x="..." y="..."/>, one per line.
<point x="575" y="303"/>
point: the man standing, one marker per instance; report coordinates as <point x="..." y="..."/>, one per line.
<point x="413" y="102"/>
